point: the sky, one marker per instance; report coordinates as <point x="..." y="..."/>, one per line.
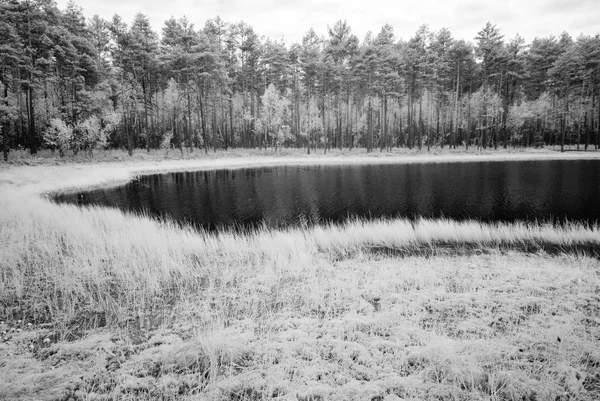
<point x="290" y="19"/>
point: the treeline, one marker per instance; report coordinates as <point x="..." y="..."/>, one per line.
<point x="67" y="83"/>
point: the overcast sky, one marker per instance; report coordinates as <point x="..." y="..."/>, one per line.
<point x="290" y="19"/>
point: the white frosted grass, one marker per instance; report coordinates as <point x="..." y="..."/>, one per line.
<point x="403" y="234"/>
<point x="64" y="256"/>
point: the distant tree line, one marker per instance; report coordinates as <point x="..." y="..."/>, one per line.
<point x="71" y="84"/>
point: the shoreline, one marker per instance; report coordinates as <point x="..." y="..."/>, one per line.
<point x="48" y="180"/>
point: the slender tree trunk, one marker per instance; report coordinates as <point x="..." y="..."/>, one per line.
<point x="202" y="119"/>
<point x="267" y="130"/>
<point x="455" y="130"/>
<point x="231" y="127"/>
<point x="495" y="124"/>
<point x="188" y="125"/>
<point x="437" y="122"/>
<point x="597" y="128"/>
<point x="420" y="128"/>
<point x="429" y="121"/>
<point x="308" y="120"/>
<point x="4" y="133"/>
<point x="339" y="121"/>
<point x="4" y="128"/>
<point x="223" y="130"/>
<point x="46" y="101"/>
<point x="562" y="133"/>
<point x="348" y="119"/>
<point x="146" y="127"/>
<point x="469" y="122"/>
<point x="252" y="133"/>
<point x="129" y="131"/>
<point x="325" y="125"/>
<point x="370" y="127"/>
<point x="565" y="119"/>
<point x="579" y="122"/>
<point x="386" y="128"/>
<point x="401" y="133"/>
<point x="485" y="120"/>
<point x="215" y="126"/>
<point x="177" y="132"/>
<point x="33" y="146"/>
<point x="505" y="101"/>
<point x="409" y="121"/>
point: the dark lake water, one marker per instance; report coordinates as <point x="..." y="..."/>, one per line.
<point x="289" y="195"/>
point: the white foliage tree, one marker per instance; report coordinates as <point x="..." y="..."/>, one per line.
<point x="58" y="136"/>
<point x="274" y="110"/>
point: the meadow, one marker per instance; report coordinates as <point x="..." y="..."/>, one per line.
<point x="100" y="305"/>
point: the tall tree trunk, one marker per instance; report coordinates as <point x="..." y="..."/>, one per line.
<point x="562" y="133"/>
<point x="129" y="131"/>
<point x="438" y="106"/>
<point x="597" y="142"/>
<point x="386" y="128"/>
<point x="420" y="128"/>
<point x="223" y="125"/>
<point x="348" y="119"/>
<point x="308" y="120"/>
<point x="469" y="123"/>
<point x="188" y="127"/>
<point x="215" y="126"/>
<point x="33" y="146"/>
<point x="202" y="119"/>
<point x="408" y="121"/>
<point x="325" y="133"/>
<point x="146" y="127"/>
<point x="580" y="125"/>
<point x="369" y="122"/>
<point x="4" y="128"/>
<point x="455" y="130"/>
<point x="565" y="119"/>
<point x="428" y="128"/>
<point x="339" y="128"/>
<point x="401" y="140"/>
<point x="4" y="133"/>
<point x="485" y="120"/>
<point x="231" y="126"/>
<point x="505" y="102"/>
<point x="253" y="108"/>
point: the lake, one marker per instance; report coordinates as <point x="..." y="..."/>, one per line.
<point x="304" y="195"/>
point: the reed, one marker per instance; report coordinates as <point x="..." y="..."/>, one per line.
<point x="62" y="261"/>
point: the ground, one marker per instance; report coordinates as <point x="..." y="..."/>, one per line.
<point x="101" y="305"/>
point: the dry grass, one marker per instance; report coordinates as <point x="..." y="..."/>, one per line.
<point x="45" y="157"/>
<point x="133" y="308"/>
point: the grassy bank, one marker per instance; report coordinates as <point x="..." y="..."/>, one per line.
<point x="125" y="307"/>
<point x="45" y="157"/>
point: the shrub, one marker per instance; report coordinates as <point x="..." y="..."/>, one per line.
<point x="58" y="135"/>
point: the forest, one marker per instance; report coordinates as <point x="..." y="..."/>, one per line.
<point x="74" y="84"/>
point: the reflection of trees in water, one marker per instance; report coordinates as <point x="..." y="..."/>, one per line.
<point x="306" y="198"/>
<point x="273" y="192"/>
<point x="309" y="194"/>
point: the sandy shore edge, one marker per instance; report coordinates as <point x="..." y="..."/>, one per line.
<point x="47" y="180"/>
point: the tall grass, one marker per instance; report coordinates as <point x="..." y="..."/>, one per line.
<point x="96" y="266"/>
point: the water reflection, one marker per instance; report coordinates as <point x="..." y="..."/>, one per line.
<point x="491" y="191"/>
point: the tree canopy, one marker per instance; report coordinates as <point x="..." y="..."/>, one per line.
<point x="68" y="83"/>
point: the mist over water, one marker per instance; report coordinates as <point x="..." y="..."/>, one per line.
<point x="293" y="195"/>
